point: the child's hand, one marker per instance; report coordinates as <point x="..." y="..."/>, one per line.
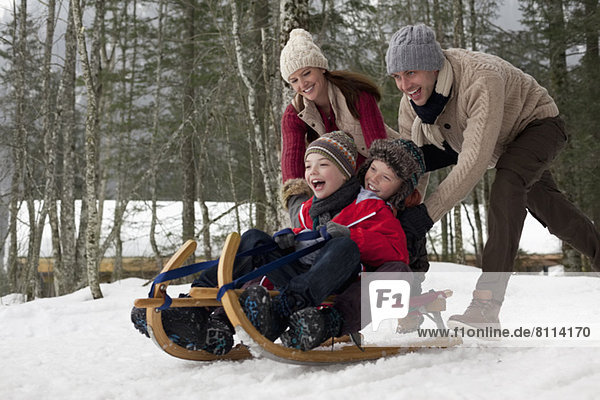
<point x="336" y="230"/>
<point x="285" y="239"/>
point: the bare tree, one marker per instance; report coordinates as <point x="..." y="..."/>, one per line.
<point x="155" y="133"/>
<point x="262" y="135"/>
<point x="187" y="143"/>
<point x="66" y="280"/>
<point x="90" y="67"/>
<point x="19" y="136"/>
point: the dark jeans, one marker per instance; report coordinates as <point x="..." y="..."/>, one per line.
<point x="523" y="181"/>
<point x="337" y="265"/>
<point x="348" y="303"/>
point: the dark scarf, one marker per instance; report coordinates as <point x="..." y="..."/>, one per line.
<point x="323" y="210"/>
<point x="432" y="109"/>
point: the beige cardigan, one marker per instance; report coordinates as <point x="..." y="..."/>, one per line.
<point x="490" y="104"/>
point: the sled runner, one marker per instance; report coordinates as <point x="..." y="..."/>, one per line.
<point x="341" y="353"/>
<point x="205" y="298"/>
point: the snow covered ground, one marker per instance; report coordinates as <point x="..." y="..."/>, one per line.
<point x="73" y="347"/>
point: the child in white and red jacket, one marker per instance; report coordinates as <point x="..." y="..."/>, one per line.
<point x="363" y="231"/>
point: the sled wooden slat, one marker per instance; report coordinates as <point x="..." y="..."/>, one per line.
<point x="154" y="319"/>
<point x="349" y="353"/>
<point x="179" y="302"/>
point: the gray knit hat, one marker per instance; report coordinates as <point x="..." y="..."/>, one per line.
<point x="300" y="52"/>
<point x="414" y="48"/>
<point x="337" y="147"/>
<point x="405" y="158"/>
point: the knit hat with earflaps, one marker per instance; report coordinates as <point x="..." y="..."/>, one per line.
<point x="337" y="147"/>
<point x="404" y="158"/>
<point x="300" y="52"/>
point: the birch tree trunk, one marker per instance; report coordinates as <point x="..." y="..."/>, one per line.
<point x="266" y="159"/>
<point x="50" y="145"/>
<point x="19" y="139"/>
<point x="187" y="143"/>
<point x="155" y="135"/>
<point x="65" y="123"/>
<point x="90" y="69"/>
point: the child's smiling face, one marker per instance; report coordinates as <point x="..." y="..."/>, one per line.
<point x="382" y="180"/>
<point x="322" y="175"/>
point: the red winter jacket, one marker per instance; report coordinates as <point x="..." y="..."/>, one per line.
<point x="373" y="227"/>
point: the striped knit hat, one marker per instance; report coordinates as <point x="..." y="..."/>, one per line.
<point x="405" y="158"/>
<point x="337" y="147"/>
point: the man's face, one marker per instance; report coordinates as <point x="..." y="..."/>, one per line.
<point x="417" y="85"/>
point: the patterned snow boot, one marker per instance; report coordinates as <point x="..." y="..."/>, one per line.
<point x="269" y="316"/>
<point x="311" y="326"/>
<point x="480" y="314"/>
<point x="185" y="326"/>
<point x="219" y="333"/>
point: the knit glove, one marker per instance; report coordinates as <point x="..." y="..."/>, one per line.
<point x="333" y="230"/>
<point x="416" y="220"/>
<point x="285" y="239"/>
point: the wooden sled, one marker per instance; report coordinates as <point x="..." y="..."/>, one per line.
<point x="205" y="297"/>
<point x="319" y="356"/>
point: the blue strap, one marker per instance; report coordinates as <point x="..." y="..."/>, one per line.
<point x="197" y="267"/>
<point x="201" y="266"/>
<point x="270" y="267"/>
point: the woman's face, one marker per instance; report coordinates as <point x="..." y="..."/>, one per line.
<point x="382" y="180"/>
<point x="309" y="82"/>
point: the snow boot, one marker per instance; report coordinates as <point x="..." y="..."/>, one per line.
<point x="270" y="316"/>
<point x="138" y="317"/>
<point x="219" y="333"/>
<point x="185" y="326"/>
<point x="410" y="323"/>
<point x="480" y="314"/>
<point x="311" y="326"/>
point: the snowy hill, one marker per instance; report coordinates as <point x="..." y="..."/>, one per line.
<point x="72" y="347"/>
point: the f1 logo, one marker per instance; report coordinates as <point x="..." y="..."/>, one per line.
<point x="389" y="299"/>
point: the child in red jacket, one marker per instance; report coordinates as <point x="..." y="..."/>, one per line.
<point x="362" y="227"/>
<point x="391" y="173"/>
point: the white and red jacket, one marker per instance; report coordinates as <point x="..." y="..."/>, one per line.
<point x="373" y="227"/>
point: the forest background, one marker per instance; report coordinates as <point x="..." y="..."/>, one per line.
<point x="159" y="100"/>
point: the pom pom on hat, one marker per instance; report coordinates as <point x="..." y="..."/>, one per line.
<point x="300" y="52"/>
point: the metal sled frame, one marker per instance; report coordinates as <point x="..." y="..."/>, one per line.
<point x="344" y="354"/>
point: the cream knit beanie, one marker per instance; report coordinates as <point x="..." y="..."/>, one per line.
<point x="300" y="52"/>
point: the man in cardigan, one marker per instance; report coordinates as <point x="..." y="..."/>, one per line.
<point x="475" y="111"/>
